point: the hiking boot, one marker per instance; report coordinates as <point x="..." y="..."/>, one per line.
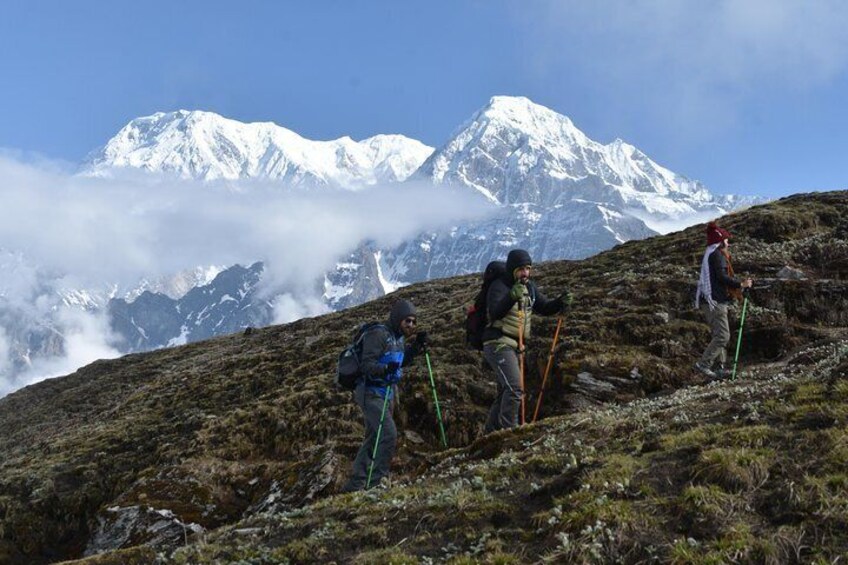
<point x="723" y="373"/>
<point x="706" y="371"/>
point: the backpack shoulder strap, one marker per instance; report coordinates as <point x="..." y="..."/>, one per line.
<point x="368" y="328"/>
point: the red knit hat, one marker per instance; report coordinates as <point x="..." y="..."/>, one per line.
<point x="716" y="234"/>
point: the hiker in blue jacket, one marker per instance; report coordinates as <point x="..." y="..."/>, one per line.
<point x="384" y="352"/>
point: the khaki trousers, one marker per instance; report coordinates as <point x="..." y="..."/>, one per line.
<point x="717" y="319"/>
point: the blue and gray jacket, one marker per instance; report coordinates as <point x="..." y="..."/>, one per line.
<point x="384" y="344"/>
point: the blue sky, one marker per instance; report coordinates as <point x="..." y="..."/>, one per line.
<point x="748" y="96"/>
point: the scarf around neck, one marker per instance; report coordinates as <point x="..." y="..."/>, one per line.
<point x="705" y="288"/>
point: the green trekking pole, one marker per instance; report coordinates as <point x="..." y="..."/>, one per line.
<point x="377" y="441"/>
<point x="739" y="339"/>
<point x="436" y="399"/>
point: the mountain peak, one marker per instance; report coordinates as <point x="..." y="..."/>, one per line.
<point x="522" y="113"/>
<point x="513" y="150"/>
<point x="518" y="105"/>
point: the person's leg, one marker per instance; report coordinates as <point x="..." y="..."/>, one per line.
<point x="720" y="332"/>
<point x="494" y="412"/>
<point x="372" y="408"/>
<point x="359" y="473"/>
<point x="504" y="360"/>
<point x="720" y="329"/>
<point x="495" y="408"/>
<point x="386" y="449"/>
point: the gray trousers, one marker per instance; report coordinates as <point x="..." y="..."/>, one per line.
<point x="371" y="404"/>
<point x="717" y="319"/>
<point x="504" y="411"/>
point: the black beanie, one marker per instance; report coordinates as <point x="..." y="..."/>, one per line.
<point x="517" y="258"/>
<point x="401" y="310"/>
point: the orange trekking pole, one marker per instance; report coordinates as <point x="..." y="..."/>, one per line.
<point x="547" y="368"/>
<point x="521" y="357"/>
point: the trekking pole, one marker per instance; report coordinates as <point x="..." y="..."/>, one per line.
<point x="547" y="368"/>
<point x="377" y="441"/>
<point x="436" y="399"/>
<point x="739" y="339"/>
<point x="521" y="358"/>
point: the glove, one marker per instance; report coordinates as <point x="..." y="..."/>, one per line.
<point x="392" y="373"/>
<point x="566" y="298"/>
<point x="517" y="291"/>
<point x="421" y="341"/>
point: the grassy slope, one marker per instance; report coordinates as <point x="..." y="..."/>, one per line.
<point x="216" y="424"/>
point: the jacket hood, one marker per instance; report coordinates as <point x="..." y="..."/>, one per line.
<point x="517" y="258"/>
<point x="401" y="310"/>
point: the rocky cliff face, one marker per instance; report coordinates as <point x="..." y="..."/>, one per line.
<point x="240" y="443"/>
<point x="230" y="303"/>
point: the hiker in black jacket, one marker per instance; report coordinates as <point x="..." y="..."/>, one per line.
<point x="384" y="351"/>
<point x="716" y="291"/>
<point x="511" y="301"/>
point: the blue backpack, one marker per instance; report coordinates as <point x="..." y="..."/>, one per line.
<point x="348" y="372"/>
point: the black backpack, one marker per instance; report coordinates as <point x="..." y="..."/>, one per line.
<point x="347" y="370"/>
<point x="476" y="318"/>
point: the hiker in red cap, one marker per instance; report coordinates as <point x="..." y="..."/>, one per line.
<point x="716" y="290"/>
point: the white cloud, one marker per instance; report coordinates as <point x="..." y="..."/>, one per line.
<point x="5" y="361"/>
<point x="89" y="232"/>
<point x="99" y="230"/>
<point x="288" y="308"/>
<point x="87" y="337"/>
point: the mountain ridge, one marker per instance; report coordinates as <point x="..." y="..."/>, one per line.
<point x="205" y="145"/>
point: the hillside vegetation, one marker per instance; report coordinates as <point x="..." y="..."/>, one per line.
<point x="233" y="449"/>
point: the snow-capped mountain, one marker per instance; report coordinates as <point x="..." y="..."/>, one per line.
<point x="571" y="230"/>
<point x="558" y="193"/>
<point x="552" y="190"/>
<point x="514" y="151"/>
<point x="204" y="145"/>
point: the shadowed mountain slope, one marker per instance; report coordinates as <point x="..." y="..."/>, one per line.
<point x="231" y="450"/>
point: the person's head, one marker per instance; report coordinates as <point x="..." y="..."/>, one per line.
<point x="518" y="264"/>
<point x="716" y="234"/>
<point x="403" y="318"/>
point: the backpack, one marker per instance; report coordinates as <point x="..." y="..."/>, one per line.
<point x="476" y="318"/>
<point x="347" y="369"/>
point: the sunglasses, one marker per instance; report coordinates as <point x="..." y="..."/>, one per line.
<point x="410" y="321"/>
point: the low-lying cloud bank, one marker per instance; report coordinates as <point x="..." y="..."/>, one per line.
<point x="60" y="229"/>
